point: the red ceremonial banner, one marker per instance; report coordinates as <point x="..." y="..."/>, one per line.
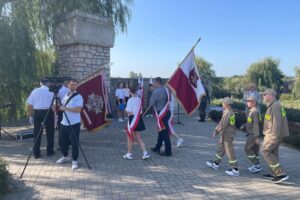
<point x="96" y="102"/>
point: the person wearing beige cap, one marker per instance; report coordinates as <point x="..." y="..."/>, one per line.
<point x="252" y="92"/>
<point x="252" y="130"/>
<point x="275" y="128"/>
<point x="226" y="130"/>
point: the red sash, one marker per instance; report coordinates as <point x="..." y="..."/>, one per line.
<point x="162" y="113"/>
<point x="134" y="122"/>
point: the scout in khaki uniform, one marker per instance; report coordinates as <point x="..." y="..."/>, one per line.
<point x="275" y="128"/>
<point x="252" y="130"/>
<point x="226" y="130"/>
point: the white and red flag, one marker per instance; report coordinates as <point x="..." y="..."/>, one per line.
<point x="96" y="101"/>
<point x="140" y="91"/>
<point x="186" y="84"/>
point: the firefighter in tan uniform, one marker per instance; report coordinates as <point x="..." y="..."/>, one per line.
<point x="275" y="128"/>
<point x="252" y="130"/>
<point x="226" y="130"/>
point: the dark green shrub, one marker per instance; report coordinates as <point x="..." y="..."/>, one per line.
<point x="3" y="176"/>
<point x="293" y="140"/>
<point x="215" y="115"/>
<point x="240" y="119"/>
<point x="237" y="105"/>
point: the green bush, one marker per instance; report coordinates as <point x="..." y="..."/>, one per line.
<point x="286" y="97"/>
<point x="240" y="117"/>
<point x="293" y="140"/>
<point x="3" y="176"/>
<point x="215" y="115"/>
<point x="238" y="105"/>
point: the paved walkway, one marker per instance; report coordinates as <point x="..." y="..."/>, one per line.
<point x="183" y="176"/>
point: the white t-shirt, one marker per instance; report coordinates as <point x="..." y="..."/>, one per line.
<point x="40" y="98"/>
<point x="119" y="93"/>
<point x="74" y="117"/>
<point x="133" y="105"/>
<point x="126" y="92"/>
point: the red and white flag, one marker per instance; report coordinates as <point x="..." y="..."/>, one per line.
<point x="140" y="91"/>
<point x="96" y="102"/>
<point x="187" y="85"/>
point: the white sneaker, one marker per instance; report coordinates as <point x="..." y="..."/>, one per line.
<point x="232" y="172"/>
<point x="212" y="164"/>
<point x="255" y="168"/>
<point x="121" y="120"/>
<point x="74" y="165"/>
<point x="179" y="142"/>
<point x="128" y="156"/>
<point x="62" y="160"/>
<point x="145" y="156"/>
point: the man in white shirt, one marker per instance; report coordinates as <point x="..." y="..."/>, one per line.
<point x="38" y="104"/>
<point x="72" y="104"/>
<point x="61" y="94"/>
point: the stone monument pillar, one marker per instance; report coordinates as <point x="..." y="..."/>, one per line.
<point x="83" y="43"/>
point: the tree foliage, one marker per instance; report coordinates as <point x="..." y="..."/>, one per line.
<point x="205" y="68"/>
<point x="135" y="75"/>
<point x="235" y="85"/>
<point x="296" y="89"/>
<point x="266" y="74"/>
<point x="26" y="50"/>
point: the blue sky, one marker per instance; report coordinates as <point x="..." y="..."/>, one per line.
<point x="234" y="34"/>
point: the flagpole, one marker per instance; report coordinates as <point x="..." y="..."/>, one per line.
<point x="190" y="51"/>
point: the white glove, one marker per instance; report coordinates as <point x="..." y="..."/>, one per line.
<point x="31" y="120"/>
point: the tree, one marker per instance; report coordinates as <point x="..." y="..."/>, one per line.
<point x="234" y="84"/>
<point x="26" y="50"/>
<point x="266" y="74"/>
<point x="296" y="89"/>
<point x="135" y="75"/>
<point x="205" y="68"/>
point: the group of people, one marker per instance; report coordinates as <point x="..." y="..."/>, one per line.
<point x="42" y="108"/>
<point x="42" y="105"/>
<point x="162" y="103"/>
<point x="275" y="127"/>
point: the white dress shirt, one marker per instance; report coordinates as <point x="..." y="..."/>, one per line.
<point x="40" y="98"/>
<point x="62" y="92"/>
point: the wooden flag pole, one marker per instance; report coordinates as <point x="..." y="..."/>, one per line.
<point x="190" y="51"/>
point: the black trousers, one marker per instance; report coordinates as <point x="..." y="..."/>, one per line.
<point x="66" y="134"/>
<point x="202" y="110"/>
<point x="59" y="118"/>
<point x="38" y="117"/>
<point x="163" y="136"/>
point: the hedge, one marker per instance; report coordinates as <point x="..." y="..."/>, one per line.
<point x="293" y="114"/>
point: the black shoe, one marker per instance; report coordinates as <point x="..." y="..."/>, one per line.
<point x="165" y="154"/>
<point x="269" y="176"/>
<point x="155" y="150"/>
<point x="201" y="120"/>
<point x="50" y="153"/>
<point x="37" y="156"/>
<point x="281" y="178"/>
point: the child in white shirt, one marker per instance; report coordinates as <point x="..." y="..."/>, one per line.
<point x="135" y="124"/>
